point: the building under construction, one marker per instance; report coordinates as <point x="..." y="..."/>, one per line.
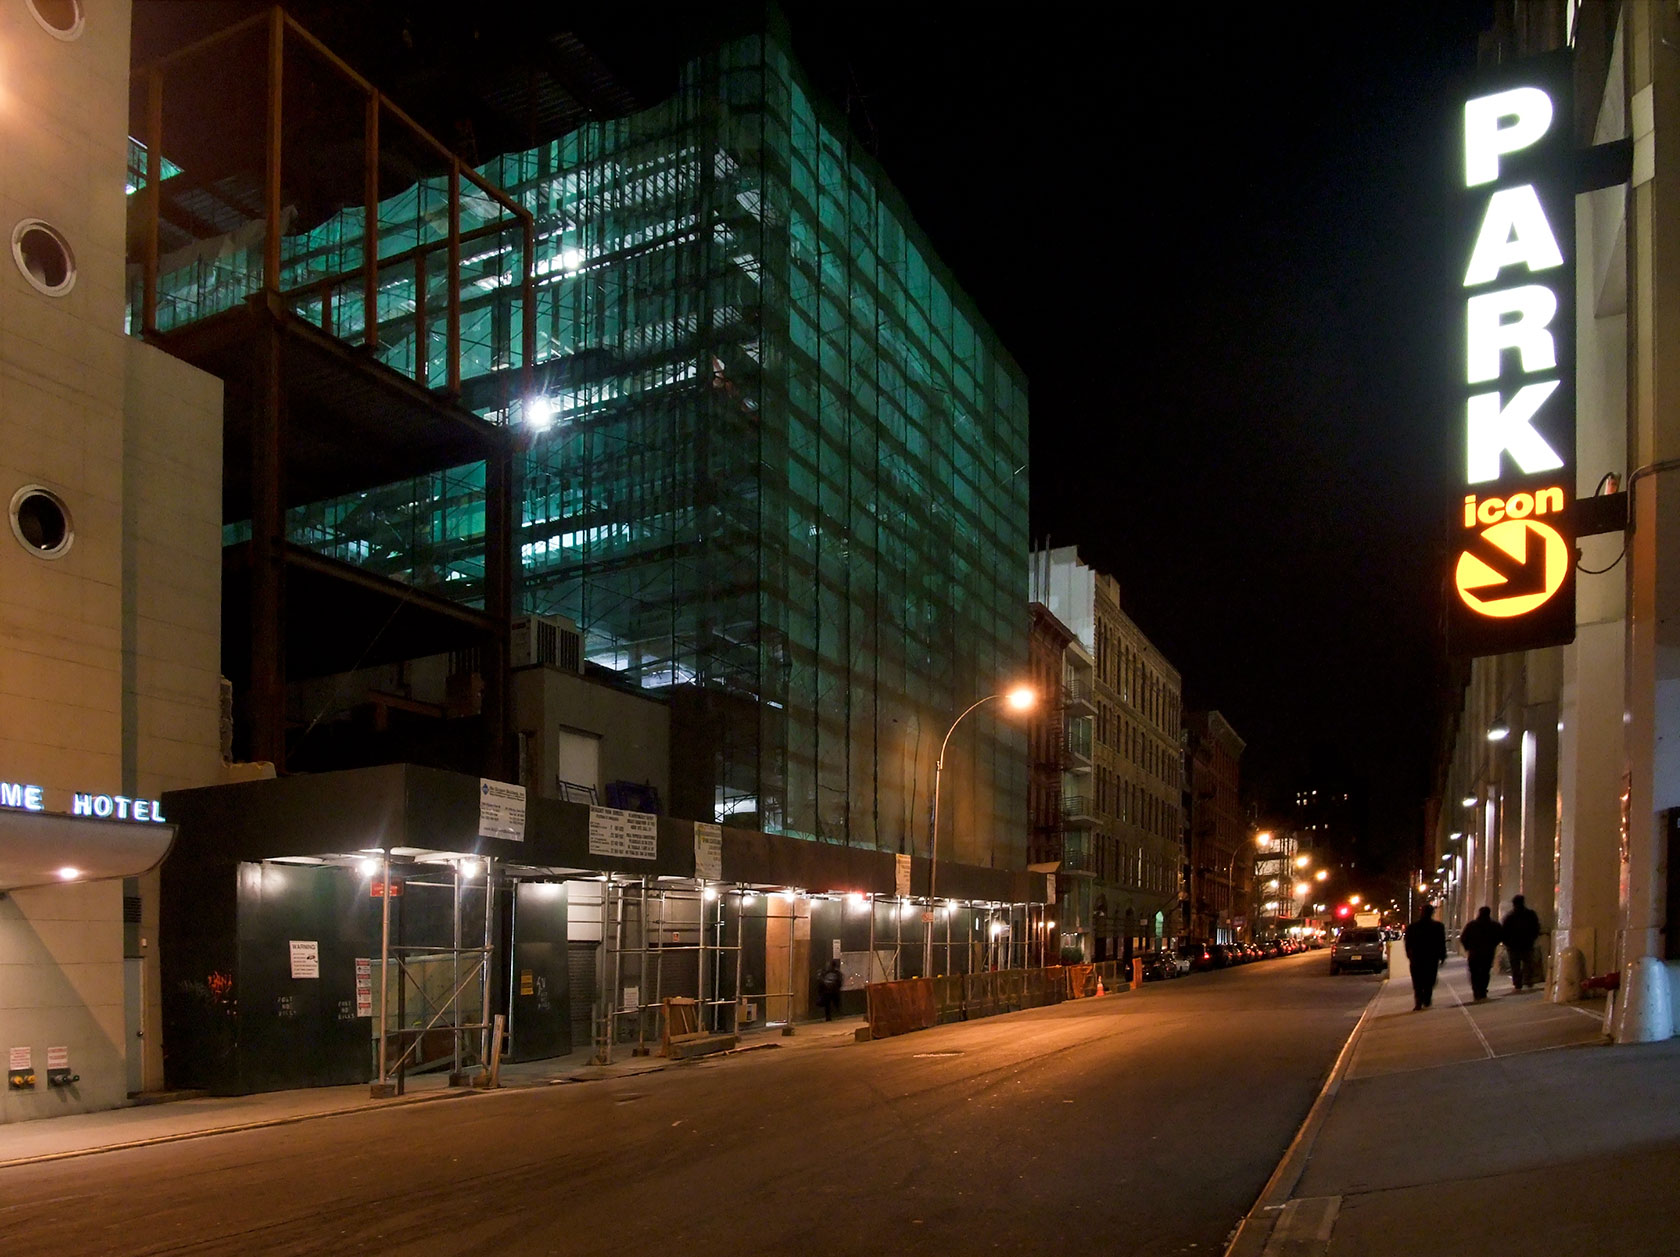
<point x="690" y="378"/>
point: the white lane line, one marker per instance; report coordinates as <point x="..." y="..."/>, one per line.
<point x="1465" y="1009"/>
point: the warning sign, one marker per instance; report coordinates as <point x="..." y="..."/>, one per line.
<point x="1512" y="568"/>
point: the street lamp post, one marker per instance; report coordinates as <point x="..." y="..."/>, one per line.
<point x="1020" y="699"/>
<point x="1261" y="839"/>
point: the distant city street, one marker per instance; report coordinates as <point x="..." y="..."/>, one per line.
<point x="1142" y="1123"/>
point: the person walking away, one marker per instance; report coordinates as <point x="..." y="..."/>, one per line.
<point x="1521" y="931"/>
<point x="1481" y="943"/>
<point x="1426" y="952"/>
<point x="829" y="982"/>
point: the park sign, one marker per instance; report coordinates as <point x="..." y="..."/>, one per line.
<point x="1512" y="579"/>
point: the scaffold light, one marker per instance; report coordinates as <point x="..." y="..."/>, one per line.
<point x="539" y="413"/>
<point x="369" y="867"/>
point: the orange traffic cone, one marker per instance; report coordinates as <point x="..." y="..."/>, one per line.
<point x="1100" y="990"/>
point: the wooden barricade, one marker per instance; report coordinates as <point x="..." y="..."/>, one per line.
<point x="900" y="1007"/>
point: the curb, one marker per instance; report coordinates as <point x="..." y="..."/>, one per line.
<point x="1252" y="1233"/>
<point x="205" y="1133"/>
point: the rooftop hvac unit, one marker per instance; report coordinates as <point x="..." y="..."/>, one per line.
<point x="550" y="640"/>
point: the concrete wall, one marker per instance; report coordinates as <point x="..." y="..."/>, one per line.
<point x="61" y="985"/>
<point x="634" y="731"/>
<point x="109" y="651"/>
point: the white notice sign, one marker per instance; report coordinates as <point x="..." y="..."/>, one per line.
<point x="626" y="835"/>
<point x="903" y="871"/>
<point x="306" y="958"/>
<point x="58" y="1058"/>
<point x="708" y="851"/>
<point x="364" y="986"/>
<point x="21" y="1058"/>
<point x="501" y="810"/>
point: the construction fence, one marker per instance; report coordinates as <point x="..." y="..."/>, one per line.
<point x="920" y="1003"/>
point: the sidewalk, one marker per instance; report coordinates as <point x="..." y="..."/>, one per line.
<point x="80" y="1134"/>
<point x="1508" y="1126"/>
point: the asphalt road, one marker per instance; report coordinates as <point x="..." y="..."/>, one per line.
<point x="1142" y="1124"/>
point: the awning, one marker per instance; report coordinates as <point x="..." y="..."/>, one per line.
<point x="50" y="848"/>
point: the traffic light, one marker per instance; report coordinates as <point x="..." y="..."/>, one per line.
<point x="1342" y="910"/>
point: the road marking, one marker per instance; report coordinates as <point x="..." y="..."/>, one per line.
<point x="1465" y="1009"/>
<point x="1303" y="1227"/>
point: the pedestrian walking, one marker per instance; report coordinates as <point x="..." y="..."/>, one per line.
<point x="829" y="982"/>
<point x="1426" y="952"/>
<point x="1481" y="943"/>
<point x="1521" y="931"/>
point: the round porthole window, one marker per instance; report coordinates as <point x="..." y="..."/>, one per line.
<point x="44" y="257"/>
<point x="41" y="521"/>
<point x="62" y="19"/>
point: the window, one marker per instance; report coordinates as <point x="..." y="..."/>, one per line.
<point x="44" y="257"/>
<point x="62" y="19"/>
<point x="41" y="522"/>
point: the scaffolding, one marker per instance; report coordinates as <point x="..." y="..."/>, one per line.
<point x="417" y="968"/>
<point x="747" y="955"/>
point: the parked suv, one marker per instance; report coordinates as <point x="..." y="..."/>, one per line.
<point x="1359" y="947"/>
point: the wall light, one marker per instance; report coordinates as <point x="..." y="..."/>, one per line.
<point x="1470" y="800"/>
<point x="1498" y="731"/>
<point x="369" y="866"/>
<point x="69" y="873"/>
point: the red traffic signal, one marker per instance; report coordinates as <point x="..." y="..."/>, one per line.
<point x="1342" y="910"/>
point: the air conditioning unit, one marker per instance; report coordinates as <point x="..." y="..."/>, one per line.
<point x="549" y="640"/>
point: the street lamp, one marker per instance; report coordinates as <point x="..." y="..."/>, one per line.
<point x="1021" y="698"/>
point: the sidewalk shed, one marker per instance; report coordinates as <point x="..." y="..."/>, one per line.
<point x="279" y="936"/>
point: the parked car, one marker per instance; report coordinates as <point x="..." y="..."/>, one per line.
<point x="1359" y="947"/>
<point x="1196" y="956"/>
<point x="1161" y="966"/>
<point x="1221" y="954"/>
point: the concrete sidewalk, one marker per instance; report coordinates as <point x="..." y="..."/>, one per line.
<point x="141" y="1125"/>
<point x="1508" y="1126"/>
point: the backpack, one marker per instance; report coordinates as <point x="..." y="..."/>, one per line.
<point x="830" y="981"/>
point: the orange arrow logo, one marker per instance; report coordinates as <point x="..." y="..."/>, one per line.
<point x="1512" y="568"/>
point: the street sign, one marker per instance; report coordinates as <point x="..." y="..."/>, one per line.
<point x="1513" y="548"/>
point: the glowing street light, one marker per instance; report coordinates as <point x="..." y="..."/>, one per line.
<point x="1322" y="874"/>
<point x="1020" y="698"/>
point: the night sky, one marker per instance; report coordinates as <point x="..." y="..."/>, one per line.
<point x="1215" y="237"/>
<point x="1220" y="250"/>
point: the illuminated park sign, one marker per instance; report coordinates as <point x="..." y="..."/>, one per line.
<point x="1513" y="544"/>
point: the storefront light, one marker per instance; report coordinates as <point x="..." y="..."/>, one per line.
<point x="69" y="873"/>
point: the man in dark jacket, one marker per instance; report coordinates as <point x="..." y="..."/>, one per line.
<point x="829" y="984"/>
<point x="1481" y="944"/>
<point x="1520" y="930"/>
<point x="1426" y="952"/>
